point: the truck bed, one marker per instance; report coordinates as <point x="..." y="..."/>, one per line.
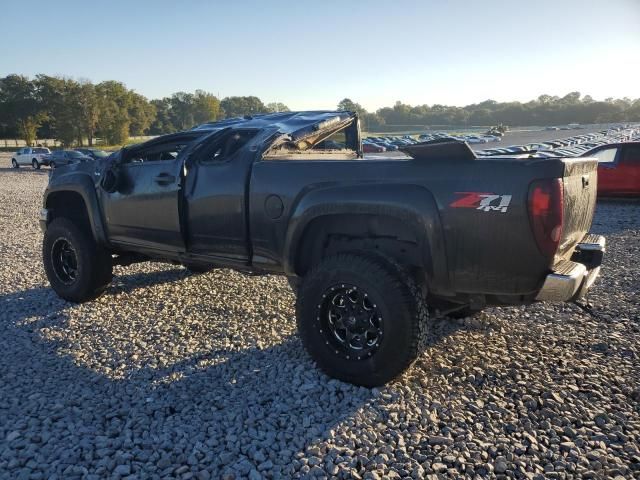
<point x="490" y="251"/>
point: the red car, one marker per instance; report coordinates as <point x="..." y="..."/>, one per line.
<point x="618" y="169"/>
<point x="372" y="148"/>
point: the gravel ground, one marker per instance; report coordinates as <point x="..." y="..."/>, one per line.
<point x="175" y="375"/>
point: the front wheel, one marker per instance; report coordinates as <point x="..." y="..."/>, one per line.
<point x="35" y="164"/>
<point x="14" y="163"/>
<point x="360" y="319"/>
<point x="52" y="165"/>
<point x="77" y="268"/>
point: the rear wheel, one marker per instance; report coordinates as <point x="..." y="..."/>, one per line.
<point x="77" y="268"/>
<point x="14" y="163"/>
<point x="360" y="319"/>
<point x="35" y="164"/>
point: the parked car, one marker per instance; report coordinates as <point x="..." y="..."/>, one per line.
<point x="517" y="149"/>
<point x="390" y="147"/>
<point x="618" y="169"/>
<point x="33" y="156"/>
<point x="538" y="146"/>
<point x="369" y="147"/>
<point x="59" y="158"/>
<point x="367" y="244"/>
<point x="93" y="153"/>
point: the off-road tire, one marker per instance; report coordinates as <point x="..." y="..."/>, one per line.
<point x="35" y="164"/>
<point x="14" y="163"/>
<point x="94" y="265"/>
<point x="399" y="300"/>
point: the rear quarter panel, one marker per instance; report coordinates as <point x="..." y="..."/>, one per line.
<point x="492" y="251"/>
<point x="486" y="251"/>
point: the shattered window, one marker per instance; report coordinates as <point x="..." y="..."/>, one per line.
<point x="337" y="141"/>
<point x="229" y="145"/>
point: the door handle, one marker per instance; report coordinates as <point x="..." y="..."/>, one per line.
<point x="164" y="178"/>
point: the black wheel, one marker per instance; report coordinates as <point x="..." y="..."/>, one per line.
<point x="360" y="319"/>
<point x="14" y="163"/>
<point x="78" y="270"/>
<point x="197" y="269"/>
<point x="35" y="164"/>
<point x="52" y="165"/>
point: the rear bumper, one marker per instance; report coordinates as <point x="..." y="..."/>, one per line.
<point x="571" y="279"/>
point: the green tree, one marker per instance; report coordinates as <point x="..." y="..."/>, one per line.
<point x="141" y="114"/>
<point x="89" y="110"/>
<point x="162" y="122"/>
<point x="367" y="120"/>
<point x="206" y="107"/>
<point x="20" y="106"/>
<point x="348" y="105"/>
<point x="277" y="107"/>
<point x="240" y="106"/>
<point x="114" y="101"/>
<point x="62" y="100"/>
<point x="182" y="110"/>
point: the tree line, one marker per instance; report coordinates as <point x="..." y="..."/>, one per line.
<point x="74" y="112"/>
<point x="545" y="110"/>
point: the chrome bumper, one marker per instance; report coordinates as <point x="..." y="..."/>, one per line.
<point x="571" y="279"/>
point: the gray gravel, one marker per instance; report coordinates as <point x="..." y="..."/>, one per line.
<point x="173" y="375"/>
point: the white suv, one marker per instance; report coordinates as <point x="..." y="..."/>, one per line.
<point x="34" y="156"/>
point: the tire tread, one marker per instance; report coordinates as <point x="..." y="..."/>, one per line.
<point x="394" y="280"/>
<point x="96" y="270"/>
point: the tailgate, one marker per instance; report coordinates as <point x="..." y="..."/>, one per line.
<point x="580" y="189"/>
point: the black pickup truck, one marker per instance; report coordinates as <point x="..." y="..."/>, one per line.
<point x="369" y="244"/>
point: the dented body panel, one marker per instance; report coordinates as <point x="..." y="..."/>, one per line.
<point x="259" y="194"/>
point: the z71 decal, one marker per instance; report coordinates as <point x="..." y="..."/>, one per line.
<point x="486" y="202"/>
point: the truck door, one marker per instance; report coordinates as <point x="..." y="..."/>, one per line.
<point x="215" y="187"/>
<point x="144" y="210"/>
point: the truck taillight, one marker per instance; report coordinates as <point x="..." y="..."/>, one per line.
<point x="546" y="213"/>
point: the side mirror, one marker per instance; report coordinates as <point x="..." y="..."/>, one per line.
<point x="110" y="181"/>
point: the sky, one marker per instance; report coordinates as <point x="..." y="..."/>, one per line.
<point x="311" y="54"/>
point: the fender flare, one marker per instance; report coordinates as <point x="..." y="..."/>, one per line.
<point x="82" y="184"/>
<point x="412" y="204"/>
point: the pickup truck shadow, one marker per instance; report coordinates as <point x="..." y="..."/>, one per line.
<point x="128" y="282"/>
<point x="219" y="401"/>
